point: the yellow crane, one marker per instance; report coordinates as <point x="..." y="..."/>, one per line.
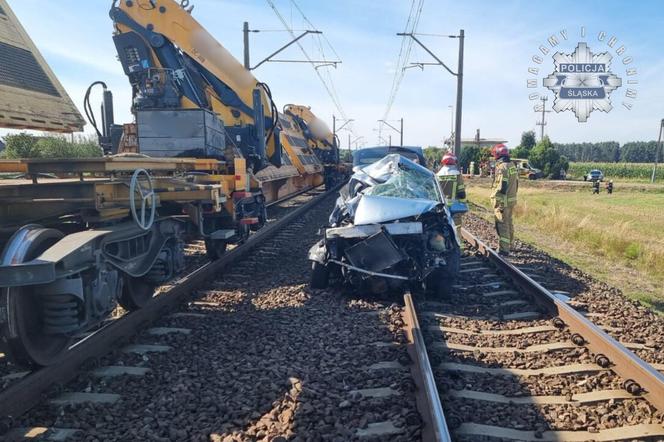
<point x="206" y="151"/>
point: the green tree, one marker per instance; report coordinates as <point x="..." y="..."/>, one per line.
<point x="59" y="147"/>
<point x="468" y="155"/>
<point x="603" y="151"/>
<point x="520" y="152"/>
<point x="528" y="140"/>
<point x="28" y="146"/>
<point x="546" y="157"/>
<point x="433" y="155"/>
<point x="21" y="146"/>
<point x="473" y="153"/>
<point x="527" y="144"/>
<point x="639" y="152"/>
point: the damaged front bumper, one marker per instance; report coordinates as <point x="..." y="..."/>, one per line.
<point x="373" y="253"/>
<point x="364" y="231"/>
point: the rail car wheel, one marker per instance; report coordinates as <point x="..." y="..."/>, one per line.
<point x="215" y="248"/>
<point x="136" y="292"/>
<point x="22" y="327"/>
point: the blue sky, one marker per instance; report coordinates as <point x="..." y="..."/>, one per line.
<point x="501" y="37"/>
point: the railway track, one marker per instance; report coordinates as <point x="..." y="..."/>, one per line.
<point x="22" y="389"/>
<point x="255" y="355"/>
<point x="251" y="353"/>
<point x="511" y="360"/>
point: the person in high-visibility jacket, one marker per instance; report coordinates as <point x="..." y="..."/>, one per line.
<point x="503" y="196"/>
<point x="451" y="183"/>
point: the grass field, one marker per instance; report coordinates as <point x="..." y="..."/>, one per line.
<point x="616" y="238"/>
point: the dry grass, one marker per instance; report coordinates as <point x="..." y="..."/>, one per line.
<point x="613" y="237"/>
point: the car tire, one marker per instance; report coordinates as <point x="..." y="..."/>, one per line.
<point x="320" y="275"/>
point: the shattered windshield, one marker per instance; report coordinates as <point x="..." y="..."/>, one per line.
<point x="401" y="178"/>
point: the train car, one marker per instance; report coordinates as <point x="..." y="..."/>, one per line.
<point x="207" y="151"/>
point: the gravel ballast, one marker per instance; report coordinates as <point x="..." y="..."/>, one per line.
<point x="266" y="359"/>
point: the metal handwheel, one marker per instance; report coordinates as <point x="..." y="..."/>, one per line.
<point x="147" y="197"/>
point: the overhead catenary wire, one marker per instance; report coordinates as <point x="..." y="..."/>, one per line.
<point x="327" y="72"/>
<point x="404" y="53"/>
<point x="328" y="84"/>
<point x="319" y="36"/>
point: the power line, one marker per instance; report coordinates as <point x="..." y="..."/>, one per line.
<point x="312" y="25"/>
<point x="329" y="88"/>
<point x="404" y="53"/>
<point x="319" y="38"/>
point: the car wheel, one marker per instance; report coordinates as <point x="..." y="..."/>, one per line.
<point x="320" y="275"/>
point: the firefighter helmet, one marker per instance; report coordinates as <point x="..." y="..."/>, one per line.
<point x="499" y="151"/>
<point x="448" y="159"/>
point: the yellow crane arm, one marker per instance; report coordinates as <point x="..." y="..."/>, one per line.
<point x="162" y="34"/>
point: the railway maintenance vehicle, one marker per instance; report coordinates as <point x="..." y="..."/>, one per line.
<point x="207" y="151"/>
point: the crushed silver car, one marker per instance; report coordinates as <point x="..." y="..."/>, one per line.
<point x="390" y="229"/>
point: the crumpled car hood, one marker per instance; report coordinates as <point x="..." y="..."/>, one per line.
<point x="392" y="188"/>
<point x="379" y="209"/>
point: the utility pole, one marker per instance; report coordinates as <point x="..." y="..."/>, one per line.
<point x="399" y="131"/>
<point x="458" y="74"/>
<point x="658" y="148"/>
<point x="451" y="122"/>
<point x="459" y="100"/>
<point x="334" y="126"/>
<point x="542" y="123"/>
<point x="269" y="58"/>
<point x="355" y="141"/>
<point x="245" y="31"/>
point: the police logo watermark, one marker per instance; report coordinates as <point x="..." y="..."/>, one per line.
<point x="582" y="80"/>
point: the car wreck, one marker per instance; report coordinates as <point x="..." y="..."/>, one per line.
<point x="390" y="230"/>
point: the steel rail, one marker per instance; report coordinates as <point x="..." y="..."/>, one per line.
<point x="26" y="393"/>
<point x="623" y="362"/>
<point x="291" y="196"/>
<point x="431" y="409"/>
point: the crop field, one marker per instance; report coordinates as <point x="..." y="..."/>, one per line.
<point x="628" y="171"/>
<point x="616" y="238"/>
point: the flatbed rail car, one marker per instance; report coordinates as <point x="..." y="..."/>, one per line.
<point x="107" y="231"/>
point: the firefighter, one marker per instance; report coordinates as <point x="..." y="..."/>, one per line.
<point x="596" y="187"/>
<point x="451" y="183"/>
<point x="503" y="195"/>
<point x="609" y="187"/>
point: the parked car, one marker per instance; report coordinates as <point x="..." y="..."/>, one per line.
<point x="390" y="230"/>
<point x="594" y="175"/>
<point x="369" y="155"/>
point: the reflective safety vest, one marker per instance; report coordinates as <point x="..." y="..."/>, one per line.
<point x="451" y="183"/>
<point x="505" y="184"/>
